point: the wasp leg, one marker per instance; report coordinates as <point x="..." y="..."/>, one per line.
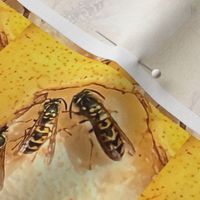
<point x="16" y="145"/>
<point x="66" y="111"/>
<point x="81" y="122"/>
<point x="22" y="139"/>
<point x="66" y="130"/>
<point x="91" y="130"/>
<point x="34" y="157"/>
<point x="24" y="121"/>
<point x="91" y="150"/>
<point x="15" y="140"/>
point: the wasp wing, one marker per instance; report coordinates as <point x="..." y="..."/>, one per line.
<point x="52" y="143"/>
<point x="28" y="134"/>
<point x="123" y="135"/>
<point x="126" y="139"/>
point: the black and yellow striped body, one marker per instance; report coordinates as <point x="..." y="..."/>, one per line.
<point x="39" y="136"/>
<point x="105" y="128"/>
<point x="107" y="133"/>
<point x="43" y="128"/>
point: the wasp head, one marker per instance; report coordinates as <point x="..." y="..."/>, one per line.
<point x="51" y="107"/>
<point x="49" y="102"/>
<point x="85" y="99"/>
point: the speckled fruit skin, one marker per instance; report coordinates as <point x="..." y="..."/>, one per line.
<point x="11" y="22"/>
<point x="38" y="62"/>
<point x="34" y="61"/>
<point x="166" y="132"/>
<point x="180" y="179"/>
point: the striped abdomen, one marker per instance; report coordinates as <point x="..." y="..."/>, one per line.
<point x="38" y="138"/>
<point x="107" y="133"/>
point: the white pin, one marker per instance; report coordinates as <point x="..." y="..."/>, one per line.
<point x="155" y="73"/>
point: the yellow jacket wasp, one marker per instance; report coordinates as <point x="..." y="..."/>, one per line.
<point x="44" y="128"/>
<point x="108" y="133"/>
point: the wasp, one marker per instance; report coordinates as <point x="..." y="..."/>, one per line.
<point x="2" y="154"/>
<point x="44" y="128"/>
<point x="108" y="133"/>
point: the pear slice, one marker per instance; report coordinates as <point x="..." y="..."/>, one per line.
<point x="12" y="24"/>
<point x="179" y="179"/>
<point x="38" y="62"/>
<point x="34" y="65"/>
<point x="168" y="136"/>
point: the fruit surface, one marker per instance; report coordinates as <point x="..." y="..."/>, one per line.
<point x="38" y="62"/>
<point x="180" y="178"/>
<point x="11" y="22"/>
<point x="33" y="63"/>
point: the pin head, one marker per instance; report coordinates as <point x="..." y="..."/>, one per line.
<point x="155" y="73"/>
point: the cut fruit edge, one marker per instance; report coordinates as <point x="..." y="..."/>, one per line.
<point x="22" y="83"/>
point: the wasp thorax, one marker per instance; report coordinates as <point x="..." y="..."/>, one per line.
<point x="89" y="102"/>
<point x="49" y="102"/>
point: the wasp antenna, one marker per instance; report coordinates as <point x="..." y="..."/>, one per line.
<point x="96" y="93"/>
<point x="64" y="103"/>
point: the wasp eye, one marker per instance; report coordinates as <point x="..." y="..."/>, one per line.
<point x="76" y="99"/>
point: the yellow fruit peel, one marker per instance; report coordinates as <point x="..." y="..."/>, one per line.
<point x="38" y="62"/>
<point x="11" y="22"/>
<point x="167" y="136"/>
<point x="166" y="132"/>
<point x="35" y="62"/>
<point x="180" y="179"/>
